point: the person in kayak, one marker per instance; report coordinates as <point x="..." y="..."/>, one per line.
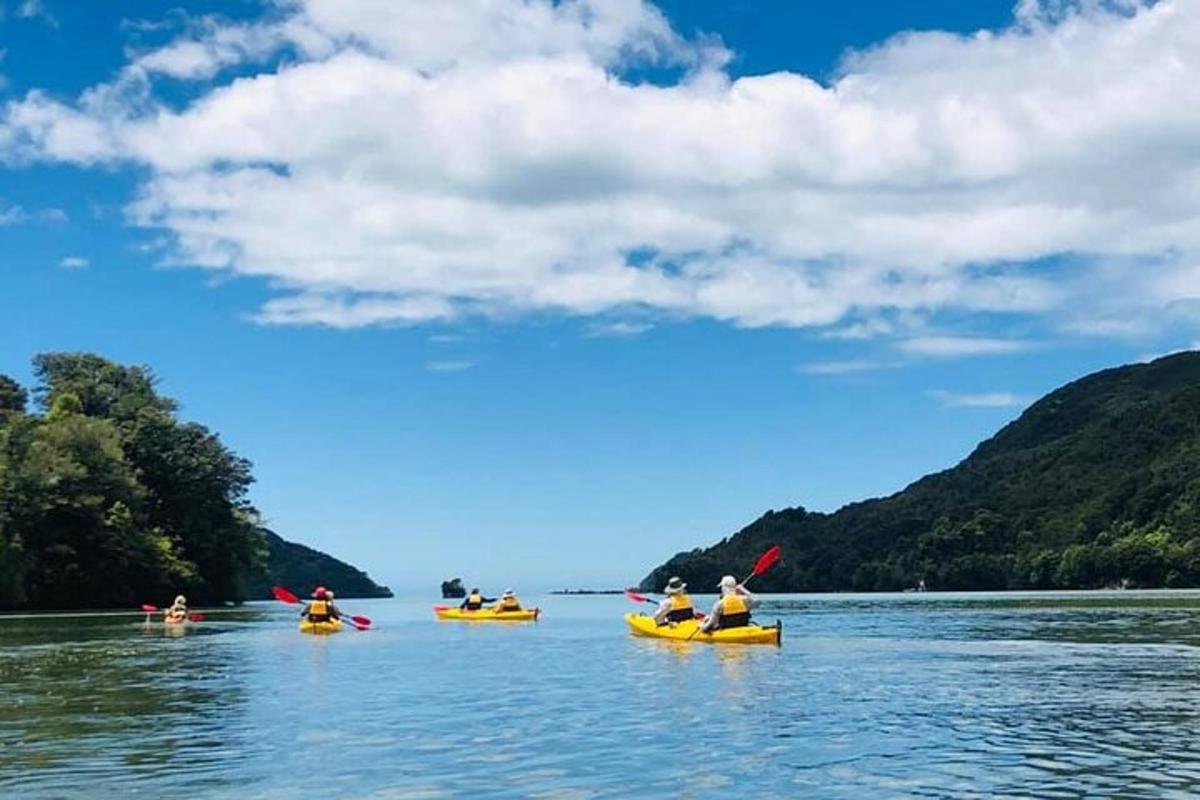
<point x="732" y="610"/>
<point x="321" y="607"/>
<point x="508" y="602"/>
<point x="178" y="610"/>
<point x="677" y="606"/>
<point x="474" y="601"/>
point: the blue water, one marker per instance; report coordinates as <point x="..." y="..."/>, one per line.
<point x="1032" y="695"/>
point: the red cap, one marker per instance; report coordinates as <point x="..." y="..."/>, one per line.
<point x="320" y="592"/>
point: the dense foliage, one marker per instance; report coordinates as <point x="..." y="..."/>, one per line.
<point x="107" y="499"/>
<point x="1097" y="484"/>
<point x="301" y="569"/>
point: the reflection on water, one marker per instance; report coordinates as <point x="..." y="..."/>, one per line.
<point x="1079" y="695"/>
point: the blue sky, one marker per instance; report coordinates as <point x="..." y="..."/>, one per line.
<point x="462" y="326"/>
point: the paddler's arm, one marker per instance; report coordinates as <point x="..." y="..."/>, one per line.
<point x="660" y="615"/>
<point x="714" y="617"/>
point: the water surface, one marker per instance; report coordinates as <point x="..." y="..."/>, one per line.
<point x="933" y="695"/>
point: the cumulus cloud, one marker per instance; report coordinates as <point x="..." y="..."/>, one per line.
<point x="73" y="262"/>
<point x="981" y="400"/>
<point x="392" y="163"/>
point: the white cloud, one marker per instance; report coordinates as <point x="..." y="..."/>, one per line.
<point x="619" y="329"/>
<point x="848" y="367"/>
<point x="449" y="366"/>
<point x="953" y="346"/>
<point x="74" y="262"/>
<point x="36" y="9"/>
<point x="1146" y="358"/>
<point x="17" y="215"/>
<point x="417" y="161"/>
<point x="981" y="400"/>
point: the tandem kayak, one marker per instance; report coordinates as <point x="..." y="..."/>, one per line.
<point x="641" y="625"/>
<point x="332" y="626"/>
<point x="486" y="614"/>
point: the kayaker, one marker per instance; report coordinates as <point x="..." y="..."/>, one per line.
<point x="677" y="606"/>
<point x="475" y="601"/>
<point x="321" y="607"/>
<point x="732" y="610"/>
<point x="178" y="610"/>
<point x="508" y="602"/>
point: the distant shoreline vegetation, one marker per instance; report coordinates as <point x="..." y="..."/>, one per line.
<point x="587" y="591"/>
<point x="108" y="500"/>
<point x="1096" y="485"/>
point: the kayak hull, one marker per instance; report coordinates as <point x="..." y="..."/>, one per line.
<point x="320" y="628"/>
<point x="641" y="625"/>
<point x="486" y="615"/>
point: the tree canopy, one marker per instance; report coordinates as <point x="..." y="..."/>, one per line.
<point x="108" y="499"/>
<point x="1096" y="484"/>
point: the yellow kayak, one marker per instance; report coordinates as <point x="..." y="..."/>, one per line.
<point x="486" y="614"/>
<point x="332" y="626"/>
<point x="641" y="625"/>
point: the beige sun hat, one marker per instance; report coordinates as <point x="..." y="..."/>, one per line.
<point x="509" y="593"/>
<point x="728" y="583"/>
<point x="675" y="586"/>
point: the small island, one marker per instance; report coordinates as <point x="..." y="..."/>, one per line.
<point x="453" y="589"/>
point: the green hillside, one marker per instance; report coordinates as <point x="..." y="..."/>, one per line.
<point x="108" y="499"/>
<point x="301" y="569"/>
<point x="1096" y="484"/>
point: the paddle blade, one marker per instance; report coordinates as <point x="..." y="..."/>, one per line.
<point x="195" y="617"/>
<point x="767" y="560"/>
<point x="360" y="620"/>
<point x="149" y="609"/>
<point x="284" y="596"/>
<point x="637" y="598"/>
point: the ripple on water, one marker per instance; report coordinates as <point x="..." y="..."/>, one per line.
<point x="869" y="697"/>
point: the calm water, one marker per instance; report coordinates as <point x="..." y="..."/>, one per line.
<point x="1066" y="695"/>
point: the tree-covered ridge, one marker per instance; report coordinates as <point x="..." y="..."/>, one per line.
<point x="107" y="499"/>
<point x="1096" y="484"/>
<point x="302" y="569"/>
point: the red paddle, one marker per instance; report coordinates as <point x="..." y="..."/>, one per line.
<point x="764" y="563"/>
<point x="284" y="596"/>
<point x="638" y="598"/>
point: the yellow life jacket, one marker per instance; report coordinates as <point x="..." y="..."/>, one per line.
<point x="735" y="612"/>
<point x="508" y="604"/>
<point x="475" y="602"/>
<point x="318" y="611"/>
<point x="681" y="608"/>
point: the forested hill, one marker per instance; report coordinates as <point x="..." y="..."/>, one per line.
<point x="108" y="499"/>
<point x="302" y="569"/>
<point x="1097" y="484"/>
